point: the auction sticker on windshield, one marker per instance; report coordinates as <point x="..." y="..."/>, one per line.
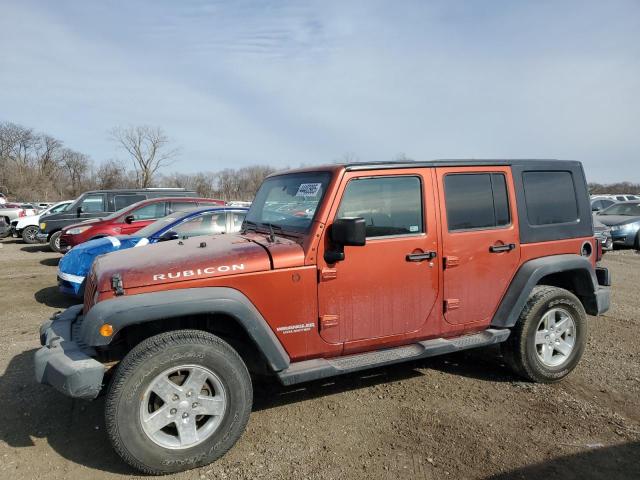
<point x="308" y="189"/>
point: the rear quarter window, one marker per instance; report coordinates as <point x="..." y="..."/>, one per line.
<point x="550" y="197"/>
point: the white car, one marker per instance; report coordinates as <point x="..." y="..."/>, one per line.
<point x="28" y="227"/>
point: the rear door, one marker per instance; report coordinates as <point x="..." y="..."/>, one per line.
<point x="480" y="244"/>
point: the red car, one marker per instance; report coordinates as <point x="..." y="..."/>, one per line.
<point x="129" y="219"/>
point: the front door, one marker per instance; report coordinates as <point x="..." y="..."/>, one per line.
<point x="142" y="217"/>
<point x="480" y="239"/>
<point x="389" y="286"/>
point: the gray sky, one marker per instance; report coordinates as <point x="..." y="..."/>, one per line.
<point x="288" y="83"/>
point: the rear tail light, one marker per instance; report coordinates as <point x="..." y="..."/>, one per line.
<point x="22" y="213"/>
<point x="599" y="251"/>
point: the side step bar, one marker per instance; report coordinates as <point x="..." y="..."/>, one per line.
<point x="315" y="369"/>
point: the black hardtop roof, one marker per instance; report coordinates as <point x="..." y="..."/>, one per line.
<point x="527" y="163"/>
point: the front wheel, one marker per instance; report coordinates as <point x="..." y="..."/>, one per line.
<point x="548" y="341"/>
<point x="177" y="401"/>
<point x="29" y="234"/>
<point x="54" y="241"/>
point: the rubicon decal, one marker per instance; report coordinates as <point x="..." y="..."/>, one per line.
<point x="198" y="272"/>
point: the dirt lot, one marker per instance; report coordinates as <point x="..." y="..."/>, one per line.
<point x="456" y="417"/>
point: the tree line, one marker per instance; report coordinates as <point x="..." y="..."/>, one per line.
<point x="36" y="166"/>
<point x="614" y="188"/>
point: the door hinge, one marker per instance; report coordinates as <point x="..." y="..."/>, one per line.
<point x="450" y="262"/>
<point x="451" y="304"/>
<point x="329" y="321"/>
<point x="327" y="274"/>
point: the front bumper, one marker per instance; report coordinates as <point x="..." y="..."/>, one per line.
<point x="64" y="364"/>
<point x="42" y="237"/>
<point x="71" y="284"/>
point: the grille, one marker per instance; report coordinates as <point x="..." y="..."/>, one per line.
<point x="89" y="292"/>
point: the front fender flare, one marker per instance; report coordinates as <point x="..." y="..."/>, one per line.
<point x="121" y="312"/>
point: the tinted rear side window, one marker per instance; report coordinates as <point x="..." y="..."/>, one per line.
<point x="476" y="200"/>
<point x="121" y="201"/>
<point x="550" y="197"/>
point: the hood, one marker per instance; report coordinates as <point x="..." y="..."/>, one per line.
<point x="28" y="220"/>
<point x="192" y="259"/>
<point x="612" y="220"/>
<point x="83" y="223"/>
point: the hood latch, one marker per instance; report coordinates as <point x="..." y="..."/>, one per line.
<point x="117" y="285"/>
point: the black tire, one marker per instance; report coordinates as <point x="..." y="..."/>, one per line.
<point x="520" y="351"/>
<point x="144" y="363"/>
<point x="636" y="244"/>
<point x="29" y="234"/>
<point x="54" y="241"/>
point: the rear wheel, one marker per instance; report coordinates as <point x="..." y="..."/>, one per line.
<point x="54" y="241"/>
<point x="636" y="244"/>
<point x="177" y="401"/>
<point x="29" y="234"/>
<point x="548" y="341"/>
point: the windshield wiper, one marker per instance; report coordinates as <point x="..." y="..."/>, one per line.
<point x="249" y="225"/>
<point x="272" y="227"/>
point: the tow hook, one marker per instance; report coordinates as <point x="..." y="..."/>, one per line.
<point x="117" y="285"/>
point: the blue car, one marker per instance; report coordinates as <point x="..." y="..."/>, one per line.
<point x="75" y="265"/>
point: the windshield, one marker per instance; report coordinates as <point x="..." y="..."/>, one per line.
<point x="159" y="224"/>
<point x="288" y="201"/>
<point x="625" y="209"/>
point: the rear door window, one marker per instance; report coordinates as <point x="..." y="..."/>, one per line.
<point x="121" y="201"/>
<point x="93" y="203"/>
<point x="476" y="201"/>
<point x="550" y="197"/>
<point x="389" y="205"/>
<point x="181" y="206"/>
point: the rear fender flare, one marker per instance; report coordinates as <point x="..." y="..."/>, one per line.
<point x="123" y="311"/>
<point x="530" y="274"/>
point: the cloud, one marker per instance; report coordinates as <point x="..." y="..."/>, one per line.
<point x="285" y="83"/>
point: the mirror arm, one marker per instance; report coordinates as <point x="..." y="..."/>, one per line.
<point x="336" y="254"/>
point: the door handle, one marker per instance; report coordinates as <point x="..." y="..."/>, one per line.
<point x="421" y="257"/>
<point x="502" y="248"/>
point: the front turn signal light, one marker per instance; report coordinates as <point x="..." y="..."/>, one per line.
<point x="106" y="330"/>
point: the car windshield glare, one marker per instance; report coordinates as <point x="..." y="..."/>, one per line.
<point x="288" y="202"/>
<point x="624" y="209"/>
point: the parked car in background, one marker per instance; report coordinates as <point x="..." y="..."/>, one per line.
<point x="129" y="219"/>
<point x="28" y="227"/>
<point x="600" y="203"/>
<point x="75" y="265"/>
<point x="624" y="220"/>
<point x="3" y="199"/>
<point x="238" y="203"/>
<point x="602" y="233"/>
<point x="99" y="203"/>
<point x="11" y="211"/>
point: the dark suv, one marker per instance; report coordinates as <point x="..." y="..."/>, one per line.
<point x="98" y="203"/>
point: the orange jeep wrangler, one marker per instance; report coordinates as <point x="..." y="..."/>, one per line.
<point x="337" y="269"/>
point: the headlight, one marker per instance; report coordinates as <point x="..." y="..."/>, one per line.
<point x="77" y="230"/>
<point x="43" y="226"/>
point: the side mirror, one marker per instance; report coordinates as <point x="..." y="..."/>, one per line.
<point x="348" y="231"/>
<point x="78" y="211"/>
<point x="169" y="235"/>
<point x="129" y="219"/>
<point x="595" y="209"/>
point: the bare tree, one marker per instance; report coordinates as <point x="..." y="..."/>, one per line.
<point x="77" y="165"/>
<point x="149" y="149"/>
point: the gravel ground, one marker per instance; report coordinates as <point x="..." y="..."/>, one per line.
<point x="462" y="416"/>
